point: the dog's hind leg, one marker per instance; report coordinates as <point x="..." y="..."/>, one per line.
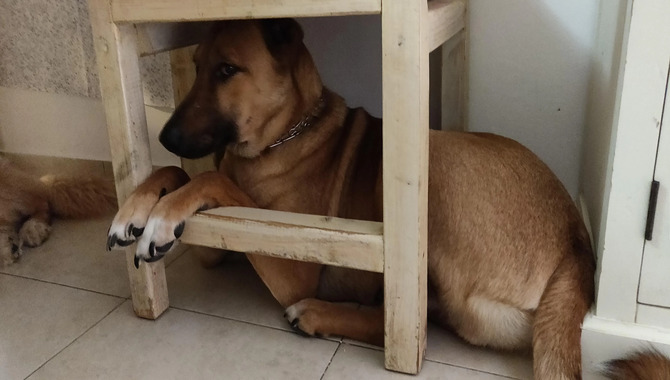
<point x="34" y="232"/>
<point x="131" y="219"/>
<point x="10" y="246"/>
<point x="37" y="227"/>
<point x="321" y="318"/>
<point x="484" y="321"/>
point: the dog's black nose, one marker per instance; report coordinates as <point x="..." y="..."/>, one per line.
<point x="176" y="141"/>
<point x="171" y="138"/>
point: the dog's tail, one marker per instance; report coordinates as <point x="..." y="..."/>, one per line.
<point x="75" y="197"/>
<point x="565" y="301"/>
<point x="643" y="365"/>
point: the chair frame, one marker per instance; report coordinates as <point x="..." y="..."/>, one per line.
<point x="126" y="29"/>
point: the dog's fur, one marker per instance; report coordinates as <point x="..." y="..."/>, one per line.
<point x="27" y="205"/>
<point x="643" y="365"/>
<point x="509" y="259"/>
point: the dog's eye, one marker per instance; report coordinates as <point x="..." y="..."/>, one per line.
<point x="226" y="71"/>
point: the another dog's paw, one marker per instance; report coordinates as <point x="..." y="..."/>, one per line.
<point x="10" y="247"/>
<point x="163" y="229"/>
<point x="34" y="232"/>
<point x="129" y="223"/>
<point x="303" y="316"/>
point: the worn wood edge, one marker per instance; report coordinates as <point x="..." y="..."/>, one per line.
<point x="153" y="38"/>
<point x="445" y="19"/>
<point x="138" y="11"/>
<point x="306" y="220"/>
<point x="405" y="171"/>
<point x="118" y="67"/>
<point x="332" y="241"/>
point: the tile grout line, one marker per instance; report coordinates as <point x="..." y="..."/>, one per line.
<point x="76" y="339"/>
<point x="240" y="321"/>
<point x="472" y="369"/>
<point x="255" y="324"/>
<point x="339" y="343"/>
<point x="367" y="347"/>
<point x="331" y="360"/>
<point x="63" y="285"/>
<point x="25" y="277"/>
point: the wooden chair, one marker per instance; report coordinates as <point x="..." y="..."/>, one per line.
<point x="125" y="29"/>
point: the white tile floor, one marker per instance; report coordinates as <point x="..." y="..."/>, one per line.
<point x="65" y="314"/>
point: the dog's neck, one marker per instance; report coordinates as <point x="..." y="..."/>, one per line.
<point x="302" y="125"/>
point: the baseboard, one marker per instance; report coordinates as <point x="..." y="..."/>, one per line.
<point x="57" y="125"/>
<point x="42" y="165"/>
<point x="604" y="340"/>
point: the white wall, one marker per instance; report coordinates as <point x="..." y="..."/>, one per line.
<point x="530" y="64"/>
<point x="529" y="74"/>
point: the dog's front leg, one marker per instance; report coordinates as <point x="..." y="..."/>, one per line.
<point x="131" y="219"/>
<point x="166" y="220"/>
<point x="315" y="317"/>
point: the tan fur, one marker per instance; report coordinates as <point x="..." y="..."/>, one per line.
<point x="27" y="205"/>
<point x="644" y="365"/>
<point x="509" y="260"/>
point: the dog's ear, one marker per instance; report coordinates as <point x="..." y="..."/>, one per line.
<point x="281" y="34"/>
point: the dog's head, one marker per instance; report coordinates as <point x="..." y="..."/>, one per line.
<point x="253" y="78"/>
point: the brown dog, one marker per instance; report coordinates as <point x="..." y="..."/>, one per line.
<point x="27" y="205"/>
<point x="510" y="264"/>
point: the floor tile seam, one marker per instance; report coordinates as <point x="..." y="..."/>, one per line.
<point x="472" y="369"/>
<point x="65" y="285"/>
<point x="356" y="344"/>
<point x="255" y="324"/>
<point x="123" y="301"/>
<point x="332" y="357"/>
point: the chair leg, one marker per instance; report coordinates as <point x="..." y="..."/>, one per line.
<point x="405" y="138"/>
<point x="455" y="83"/>
<point x="118" y="66"/>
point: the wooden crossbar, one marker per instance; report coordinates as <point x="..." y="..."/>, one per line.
<point x="333" y="241"/>
<point x="445" y="19"/>
<point x="138" y="11"/>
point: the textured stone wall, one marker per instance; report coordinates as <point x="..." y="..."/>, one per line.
<point x="47" y="46"/>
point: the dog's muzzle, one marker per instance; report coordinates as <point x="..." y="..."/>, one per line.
<point x="215" y="134"/>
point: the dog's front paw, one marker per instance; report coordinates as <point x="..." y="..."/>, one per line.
<point x="303" y="316"/>
<point x="129" y="223"/>
<point x="163" y="229"/>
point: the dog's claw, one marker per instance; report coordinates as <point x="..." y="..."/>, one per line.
<point x="179" y="230"/>
<point x="296" y="328"/>
<point x="136" y="261"/>
<point x="124" y="243"/>
<point x="111" y="241"/>
<point x="164" y="248"/>
<point x="152" y="249"/>
<point x="129" y="230"/>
